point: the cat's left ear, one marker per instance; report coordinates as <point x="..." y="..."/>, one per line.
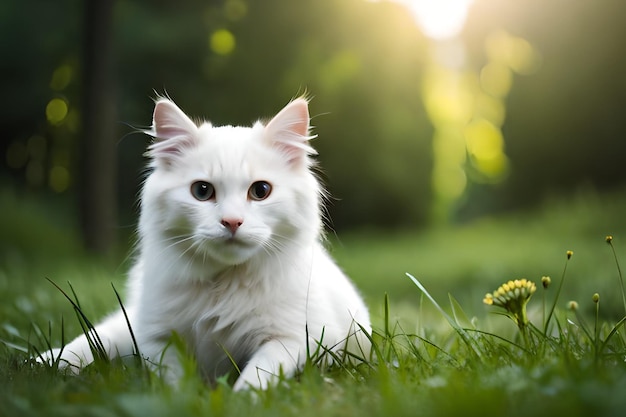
<point x="289" y="132"/>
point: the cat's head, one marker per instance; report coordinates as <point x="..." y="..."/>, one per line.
<point x="223" y="195"/>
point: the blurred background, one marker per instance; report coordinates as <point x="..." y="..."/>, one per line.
<point x="431" y="116"/>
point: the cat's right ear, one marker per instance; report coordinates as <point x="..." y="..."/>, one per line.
<point x="172" y="130"/>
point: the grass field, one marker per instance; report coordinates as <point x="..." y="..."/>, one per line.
<point x="463" y="360"/>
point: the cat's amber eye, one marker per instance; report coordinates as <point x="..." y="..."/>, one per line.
<point x="259" y="190"/>
<point x="202" y="190"/>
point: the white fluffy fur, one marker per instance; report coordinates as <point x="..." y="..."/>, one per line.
<point x="258" y="295"/>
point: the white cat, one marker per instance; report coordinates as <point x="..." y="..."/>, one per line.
<point x="230" y="255"/>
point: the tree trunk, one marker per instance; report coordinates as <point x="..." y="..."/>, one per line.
<point x="97" y="151"/>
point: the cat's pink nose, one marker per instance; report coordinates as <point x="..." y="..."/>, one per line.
<point x="232" y="224"/>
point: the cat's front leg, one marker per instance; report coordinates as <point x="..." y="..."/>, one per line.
<point x="112" y="336"/>
<point x="273" y="358"/>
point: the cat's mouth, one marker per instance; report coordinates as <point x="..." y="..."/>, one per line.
<point x="227" y="249"/>
<point x="237" y="241"/>
<point x="229" y="240"/>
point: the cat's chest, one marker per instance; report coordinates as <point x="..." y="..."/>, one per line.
<point x="208" y="308"/>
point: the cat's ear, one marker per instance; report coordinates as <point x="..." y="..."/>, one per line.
<point x="289" y="132"/>
<point x="172" y="130"/>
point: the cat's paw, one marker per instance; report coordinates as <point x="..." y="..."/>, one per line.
<point x="253" y="385"/>
<point x="48" y="357"/>
<point x="254" y="378"/>
<point x="59" y="358"/>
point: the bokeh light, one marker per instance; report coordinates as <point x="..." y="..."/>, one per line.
<point x="59" y="178"/>
<point x="512" y="51"/>
<point x="485" y="144"/>
<point x="61" y="77"/>
<point x="235" y="9"/>
<point x="447" y="96"/>
<point x="56" y="111"/>
<point x="222" y="42"/>
<point x="496" y="79"/>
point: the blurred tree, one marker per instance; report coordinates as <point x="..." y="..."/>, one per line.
<point x="232" y="61"/>
<point x="98" y="168"/>
<point x="564" y="125"/>
<point x="38" y="38"/>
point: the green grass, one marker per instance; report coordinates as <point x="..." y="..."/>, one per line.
<point x="441" y="357"/>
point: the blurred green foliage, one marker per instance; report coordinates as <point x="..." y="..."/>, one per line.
<point x="233" y="61"/>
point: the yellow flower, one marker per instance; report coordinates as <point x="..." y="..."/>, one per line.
<point x="488" y="299"/>
<point x="569" y="254"/>
<point x="513" y="296"/>
<point x="545" y="281"/>
<point x="608" y="239"/>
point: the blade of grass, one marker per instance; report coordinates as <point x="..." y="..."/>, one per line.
<point x="458" y="313"/>
<point x="14" y="346"/>
<point x="230" y="358"/>
<point x="464" y="336"/>
<point x="95" y="343"/>
<point x="386" y="309"/>
<point x="130" y="328"/>
<point x="612" y="333"/>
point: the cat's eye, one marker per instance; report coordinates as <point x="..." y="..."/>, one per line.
<point x="202" y="190"/>
<point x="259" y="190"/>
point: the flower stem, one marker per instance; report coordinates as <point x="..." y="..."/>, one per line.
<point x="558" y="292"/>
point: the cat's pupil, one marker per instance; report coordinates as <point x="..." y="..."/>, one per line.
<point x="202" y="190"/>
<point x="259" y="190"/>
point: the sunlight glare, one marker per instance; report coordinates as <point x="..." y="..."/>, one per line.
<point x="439" y="19"/>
